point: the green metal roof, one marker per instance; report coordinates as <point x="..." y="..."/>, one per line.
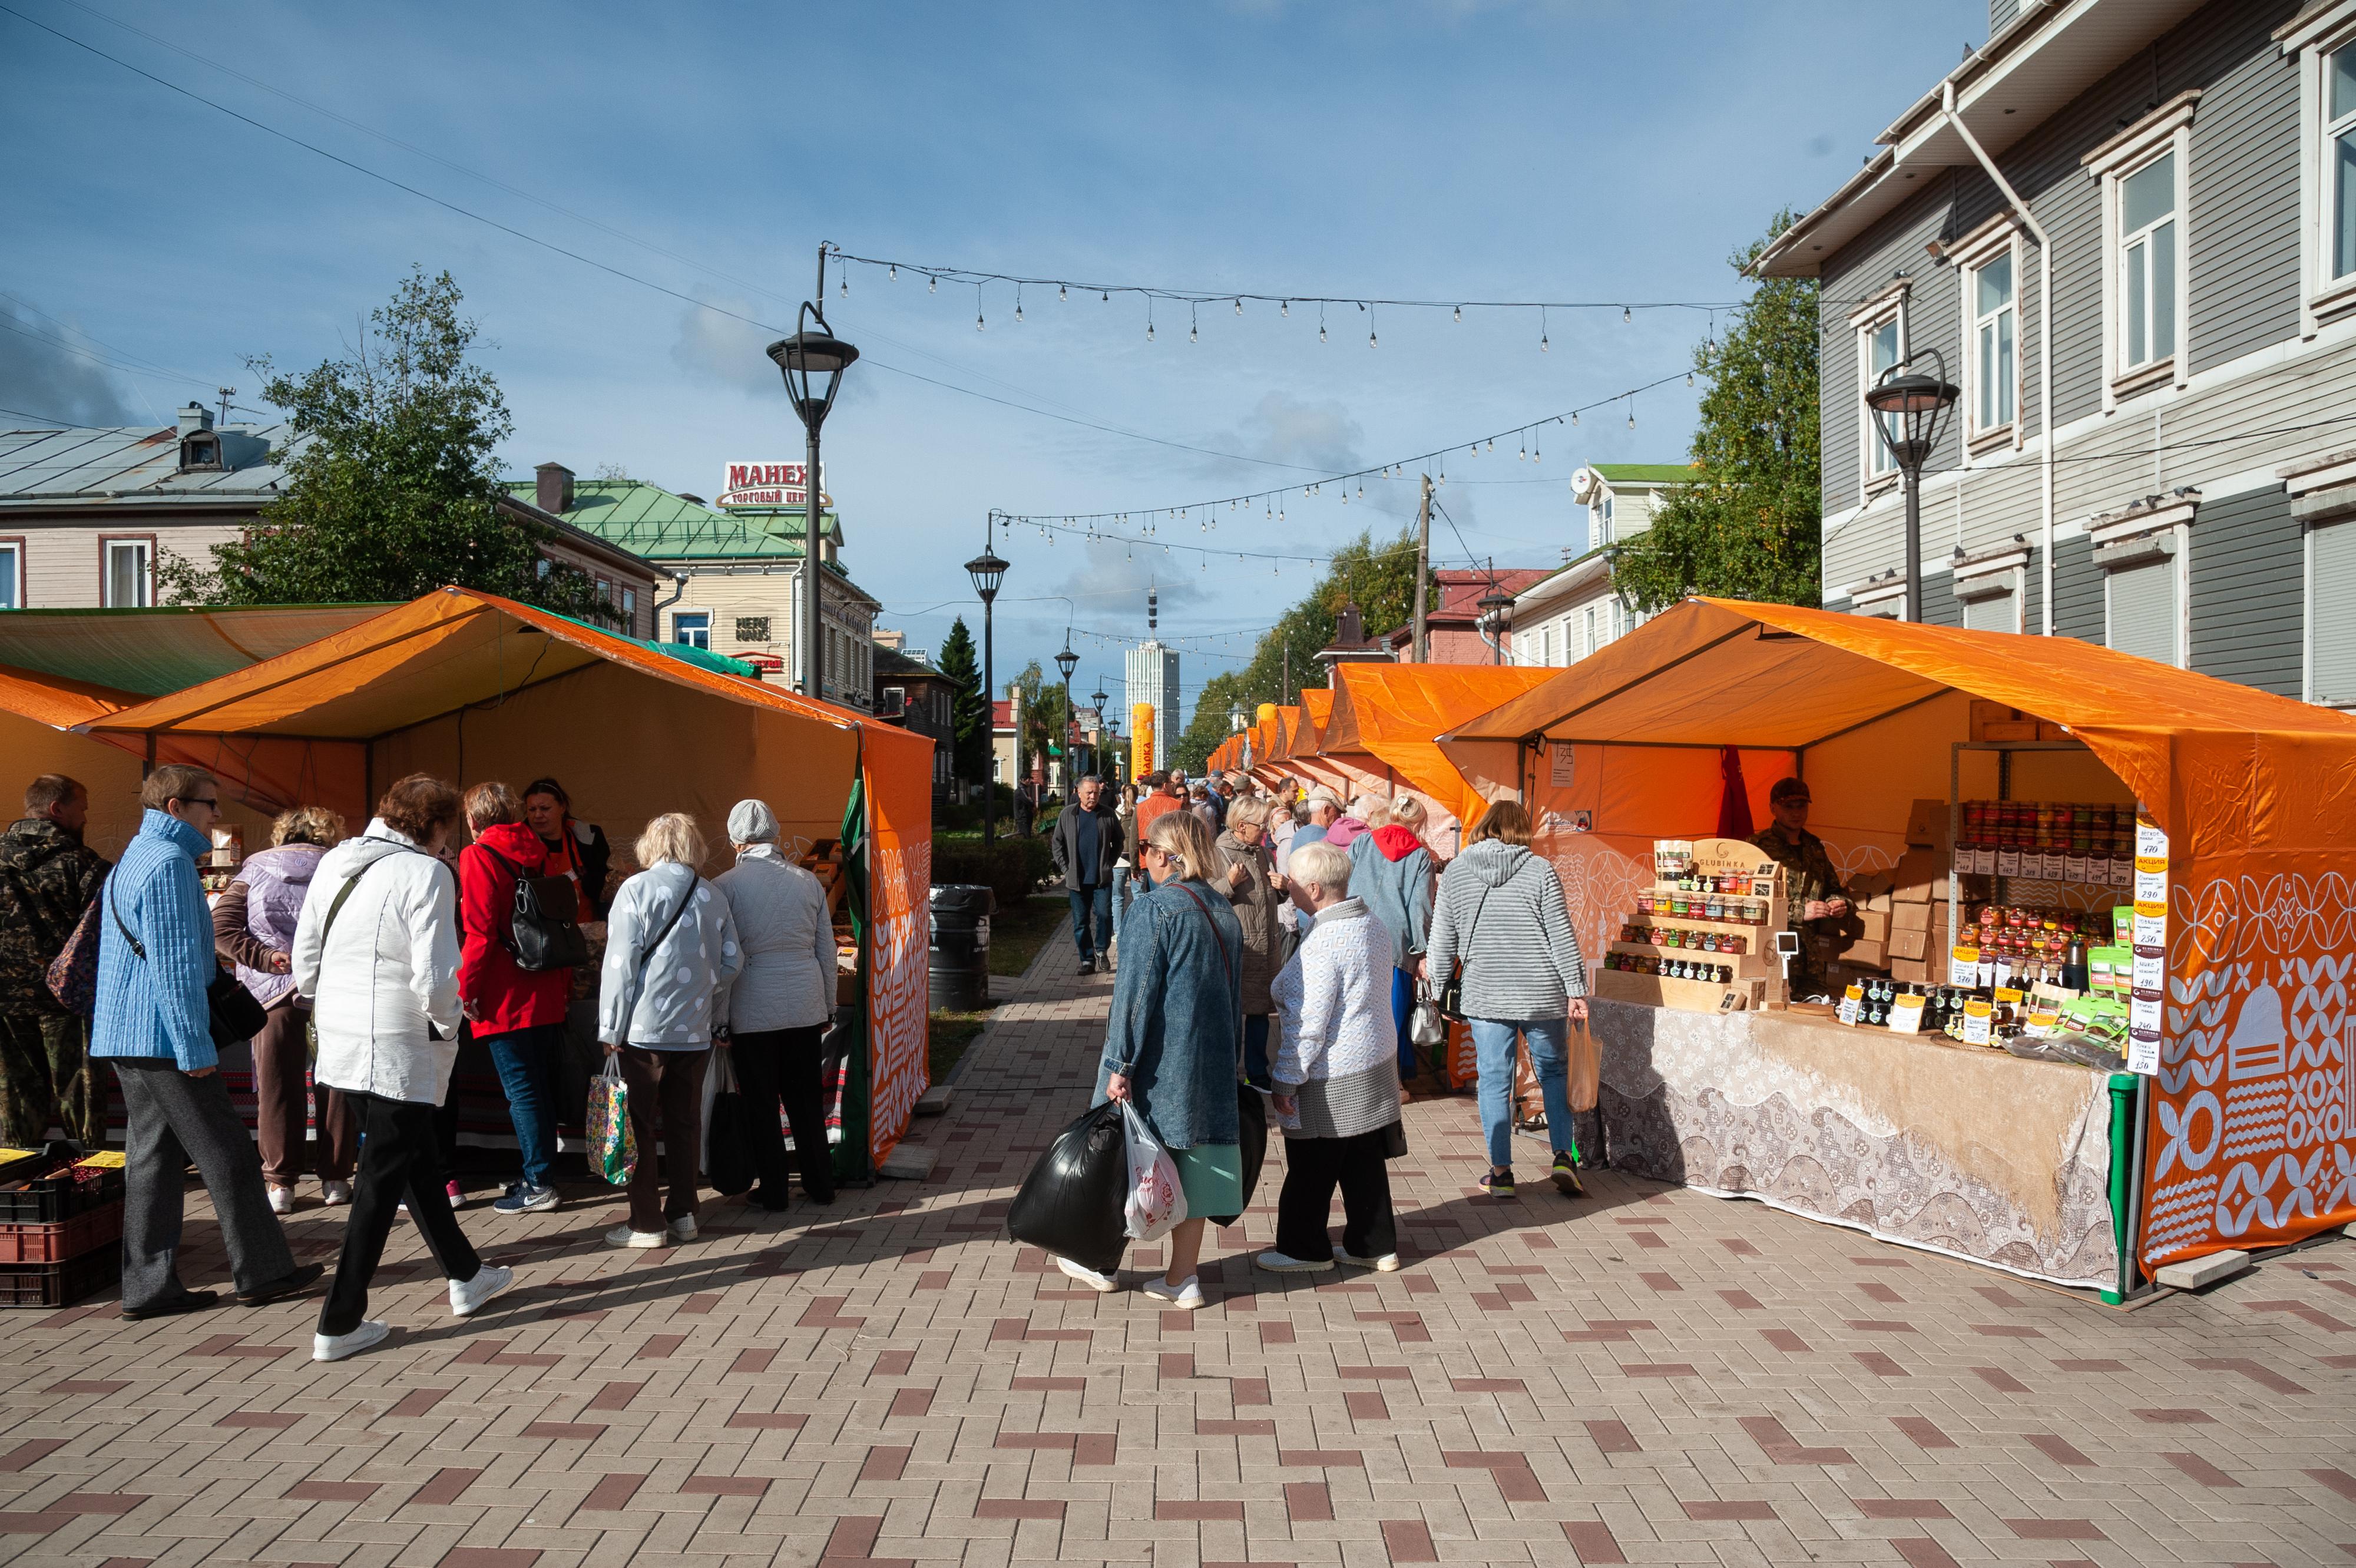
<point x="1648" y="473"/>
<point x="649" y="521"/>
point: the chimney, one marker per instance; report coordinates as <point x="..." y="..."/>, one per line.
<point x="195" y="417"/>
<point x="1350" y="630"/>
<point x="555" y="493"/>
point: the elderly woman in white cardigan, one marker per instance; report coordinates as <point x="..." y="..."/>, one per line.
<point x="1337" y="1075"/>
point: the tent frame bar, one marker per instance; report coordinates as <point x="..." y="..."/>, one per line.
<point x="1868" y="724"/>
<point x="1540" y="733"/>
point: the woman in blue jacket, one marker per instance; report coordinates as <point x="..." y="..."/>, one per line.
<point x="1177" y="1039"/>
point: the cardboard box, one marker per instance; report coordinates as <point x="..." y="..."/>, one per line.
<point x="1871" y="890"/>
<point x="1877" y="924"/>
<point x="1911" y="917"/>
<point x="1913" y="945"/>
<point x="2014" y="729"/>
<point x="1920" y="876"/>
<point x="2053" y="731"/>
<point x="1914" y="971"/>
<point x="1926" y="826"/>
<point x="1866" y="955"/>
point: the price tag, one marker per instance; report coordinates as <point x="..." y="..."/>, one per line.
<point x="1979" y="1022"/>
<point x="1559" y="757"/>
<point x="1849" y="1001"/>
<point x="1964" y="968"/>
<point x="2057" y="865"/>
<point x="104" y="1160"/>
<point x="2074" y="868"/>
<point x="2007" y="863"/>
<point x="2009" y="993"/>
<point x="2150" y="965"/>
<point x="2150" y="924"/>
<point x="2143" y="1011"/>
<point x="2150" y="843"/>
<point x="2151" y="881"/>
<point x="2143" y="1051"/>
<point x="1984" y="859"/>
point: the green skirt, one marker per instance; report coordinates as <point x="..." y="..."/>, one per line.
<point x="1212" y="1176"/>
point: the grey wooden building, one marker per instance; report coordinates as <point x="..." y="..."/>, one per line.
<point x="2172" y="186"/>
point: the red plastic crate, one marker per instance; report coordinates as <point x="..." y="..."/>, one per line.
<point x="59" y="1285"/>
<point x="66" y="1240"/>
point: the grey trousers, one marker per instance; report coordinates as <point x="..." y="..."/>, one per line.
<point x="173" y="1119"/>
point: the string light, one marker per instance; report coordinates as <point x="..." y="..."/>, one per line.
<point x="932" y="286"/>
<point x="1321" y="323"/>
<point x="1192" y="326"/>
<point x="1542" y="329"/>
<point x="1018" y="304"/>
<point x="842" y="290"/>
<point x="896" y="272"/>
<point x="1060" y="294"/>
<point x="1240" y="304"/>
<point x="1372" y="341"/>
<point x="1632" y="413"/>
<point x="1626" y="314"/>
<point x="1284" y="308"/>
<point x="1459" y="313"/>
<point x="978" y="325"/>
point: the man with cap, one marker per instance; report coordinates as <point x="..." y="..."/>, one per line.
<point x="1817" y="901"/>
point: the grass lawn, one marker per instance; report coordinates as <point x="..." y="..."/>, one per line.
<point x="1017" y="932"/>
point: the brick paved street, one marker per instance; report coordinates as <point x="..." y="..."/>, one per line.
<point x="1650" y="1376"/>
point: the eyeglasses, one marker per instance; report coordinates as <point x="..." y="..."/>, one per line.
<point x="212" y="801"/>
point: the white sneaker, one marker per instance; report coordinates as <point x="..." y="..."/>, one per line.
<point x="336" y="1347"/>
<point x="1088" y="1276"/>
<point x="336" y="1193"/>
<point x="623" y="1236"/>
<point x="1186" y="1297"/>
<point x="1279" y="1263"/>
<point x="467" y="1296"/>
<point x="683" y="1228"/>
<point x="282" y="1200"/>
<point x="1386" y="1264"/>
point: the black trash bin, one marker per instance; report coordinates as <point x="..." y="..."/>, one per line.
<point x="960" y="947"/>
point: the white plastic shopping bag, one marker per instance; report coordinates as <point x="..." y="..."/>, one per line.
<point x="1156" y="1201"/>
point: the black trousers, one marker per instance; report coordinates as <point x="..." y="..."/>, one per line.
<point x="399" y="1162"/>
<point x="777" y="1066"/>
<point x="1313" y="1168"/>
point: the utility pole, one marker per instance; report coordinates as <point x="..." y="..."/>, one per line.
<point x="1422" y="568"/>
<point x="1286" y="690"/>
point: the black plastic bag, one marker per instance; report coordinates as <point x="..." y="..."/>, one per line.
<point x="1251" y="1134"/>
<point x="728" y="1140"/>
<point x="1070" y="1205"/>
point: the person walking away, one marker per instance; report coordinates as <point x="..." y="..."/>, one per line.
<point x="1175" y="1041"/>
<point x="376" y="953"/>
<point x="1336" y="1078"/>
<point x="516" y="1015"/>
<point x="254" y="929"/>
<point x="1502" y="914"/>
<point x="152" y="1026"/>
<point x="1086" y="843"/>
<point x="780" y="1005"/>
<point x="1392" y="871"/>
<point x="672" y="954"/>
<point x="47" y="877"/>
<point x="1249" y="878"/>
<point x="574" y="849"/>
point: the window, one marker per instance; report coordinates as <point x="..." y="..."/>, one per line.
<point x="1882" y="342"/>
<point x="1994" y="330"/>
<point x="12" y="574"/>
<point x="1587" y="643"/>
<point x="2331" y="635"/>
<point x="692" y="628"/>
<point x="630" y="607"/>
<point x="2340" y="162"/>
<point x="125" y="564"/>
<point x="1993" y="612"/>
<point x="604" y="590"/>
<point x="2148" y="263"/>
<point x="2143" y="618"/>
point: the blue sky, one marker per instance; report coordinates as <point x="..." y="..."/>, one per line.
<point x="1584" y="150"/>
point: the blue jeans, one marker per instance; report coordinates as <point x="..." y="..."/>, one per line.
<point x="1256" y="1050"/>
<point x="1098" y="901"/>
<point x="527" y="1062"/>
<point x="1402" y="1004"/>
<point x="1492" y="1044"/>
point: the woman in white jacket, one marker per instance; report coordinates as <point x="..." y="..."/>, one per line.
<point x="780" y="1005"/>
<point x="672" y="955"/>
<point x="375" y="952"/>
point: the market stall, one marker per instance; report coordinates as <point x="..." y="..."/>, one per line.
<point x="2156" y="855"/>
<point x="469" y="687"/>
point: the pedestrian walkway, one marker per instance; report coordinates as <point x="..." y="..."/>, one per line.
<point x="1649" y="1376"/>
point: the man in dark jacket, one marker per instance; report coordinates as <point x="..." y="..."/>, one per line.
<point x="46" y="879"/>
<point x="1087" y="843"/>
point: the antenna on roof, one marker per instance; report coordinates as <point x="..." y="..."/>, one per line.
<point x="226" y="393"/>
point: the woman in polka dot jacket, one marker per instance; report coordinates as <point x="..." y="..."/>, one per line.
<point x="672" y="955"/>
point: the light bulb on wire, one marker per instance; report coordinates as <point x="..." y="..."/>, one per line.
<point x="893" y="275"/>
<point x="932" y="283"/>
<point x="1018" y="304"/>
<point x="1060" y="294"/>
<point x="1626" y="315"/>
<point x="1459" y="313"/>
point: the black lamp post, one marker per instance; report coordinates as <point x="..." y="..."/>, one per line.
<point x="813" y="363"/>
<point x="1907" y="409"/>
<point x="987" y="570"/>
<point x="1095" y="751"/>
<point x="1066" y="662"/>
<point x="1497" y="607"/>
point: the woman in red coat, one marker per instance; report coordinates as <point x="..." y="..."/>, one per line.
<point x="519" y="1015"/>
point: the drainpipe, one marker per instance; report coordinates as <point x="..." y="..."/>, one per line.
<point x="2044" y="329"/>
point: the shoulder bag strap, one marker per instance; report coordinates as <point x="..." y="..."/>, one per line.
<point x="648" y="957"/>
<point x="115" y="910"/>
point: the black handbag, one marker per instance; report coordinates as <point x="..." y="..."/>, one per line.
<point x="543" y="929"/>
<point x="728" y="1144"/>
<point x="232" y="1012"/>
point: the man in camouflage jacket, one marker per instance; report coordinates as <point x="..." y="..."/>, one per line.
<point x="48" y="878"/>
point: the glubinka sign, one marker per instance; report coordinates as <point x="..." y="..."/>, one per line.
<point x="753" y="485"/>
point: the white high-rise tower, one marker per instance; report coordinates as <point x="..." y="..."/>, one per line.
<point x="1153" y="679"/>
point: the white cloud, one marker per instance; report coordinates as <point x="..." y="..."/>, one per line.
<point x="1282" y="428"/>
<point x="42" y="374"/>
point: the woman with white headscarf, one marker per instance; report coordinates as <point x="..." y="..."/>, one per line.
<point x="781" y="1004"/>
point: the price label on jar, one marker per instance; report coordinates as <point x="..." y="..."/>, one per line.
<point x="1979" y="1022"/>
<point x="2150" y="880"/>
<point x="1964" y="969"/>
<point x="1850" y="1000"/>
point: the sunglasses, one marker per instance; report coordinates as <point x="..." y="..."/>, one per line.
<point x="212" y="801"/>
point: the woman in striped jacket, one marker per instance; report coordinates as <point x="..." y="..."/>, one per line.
<point x="1500" y="912"/>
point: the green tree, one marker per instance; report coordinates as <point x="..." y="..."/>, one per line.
<point x="391" y="496"/>
<point x="1751" y="526"/>
<point x="969" y="708"/>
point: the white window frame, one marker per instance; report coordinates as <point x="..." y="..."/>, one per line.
<point x="1885" y="309"/>
<point x="2139" y="526"/>
<point x="2002" y="576"/>
<point x="13" y="574"/>
<point x="2313" y="39"/>
<point x="2166" y="130"/>
<point x="691" y="629"/>
<point x="107" y="545"/>
<point x="1997" y="238"/>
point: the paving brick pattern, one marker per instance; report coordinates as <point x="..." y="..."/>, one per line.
<point x="1647" y="1377"/>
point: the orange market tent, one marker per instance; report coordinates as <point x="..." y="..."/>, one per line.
<point x="1394" y="714"/>
<point x="2252" y="1134"/>
<point x="471" y="687"/>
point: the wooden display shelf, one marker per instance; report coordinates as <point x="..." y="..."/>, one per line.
<point x="1688" y="955"/>
<point x="1660" y="990"/>
<point x="1663" y="917"/>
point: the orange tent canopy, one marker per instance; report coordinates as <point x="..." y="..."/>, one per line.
<point x="57" y="701"/>
<point x="1394" y="714"/>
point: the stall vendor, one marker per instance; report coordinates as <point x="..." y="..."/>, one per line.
<point x="1819" y="904"/>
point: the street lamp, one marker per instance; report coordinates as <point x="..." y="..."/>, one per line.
<point x="1497" y="607"/>
<point x="1066" y="662"/>
<point x="812" y="363"/>
<point x="1908" y="409"/>
<point x="986" y="570"/>
<point x="1096" y="747"/>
